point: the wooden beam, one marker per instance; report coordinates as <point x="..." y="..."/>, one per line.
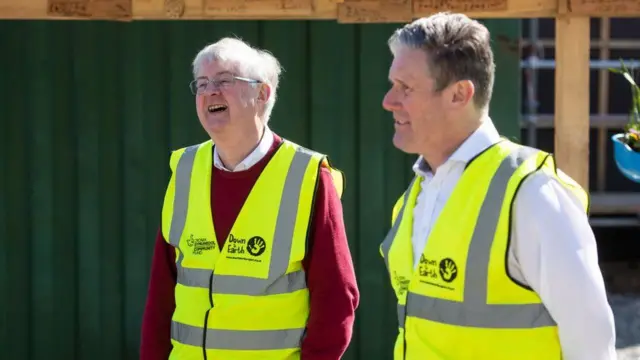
<point x="603" y="8"/>
<point x="603" y="106"/>
<point x="347" y="11"/>
<point x="572" y="97"/>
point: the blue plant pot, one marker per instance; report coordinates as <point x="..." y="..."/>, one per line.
<point x="627" y="160"/>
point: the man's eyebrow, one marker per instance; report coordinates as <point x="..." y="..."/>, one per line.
<point x="217" y="74"/>
<point x="394" y="80"/>
<point x="400" y="76"/>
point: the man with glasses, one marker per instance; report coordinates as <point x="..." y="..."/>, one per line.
<point x="251" y="260"/>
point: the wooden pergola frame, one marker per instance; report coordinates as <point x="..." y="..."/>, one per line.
<point x="571" y="118"/>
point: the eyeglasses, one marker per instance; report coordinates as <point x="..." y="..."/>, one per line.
<point x="201" y="85"/>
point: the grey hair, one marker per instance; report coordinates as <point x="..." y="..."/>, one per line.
<point x="457" y="48"/>
<point x="250" y="62"/>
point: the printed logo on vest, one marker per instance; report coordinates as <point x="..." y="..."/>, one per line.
<point x="200" y="244"/>
<point x="256" y="246"/>
<point x="448" y="270"/>
<point x="236" y="245"/>
<point x="241" y="249"/>
<point x="427" y="268"/>
<point x="401" y="283"/>
<point x="437" y="273"/>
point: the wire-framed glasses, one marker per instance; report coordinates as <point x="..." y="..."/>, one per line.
<point x="202" y="84"/>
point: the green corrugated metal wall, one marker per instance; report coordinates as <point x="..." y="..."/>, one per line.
<point x="89" y="112"/>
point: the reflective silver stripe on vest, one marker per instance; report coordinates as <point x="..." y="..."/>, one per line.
<point x="237" y="339"/>
<point x="181" y="196"/>
<point x="276" y="283"/>
<point x="474" y="310"/>
<point x="230" y="284"/>
<point x="401" y="315"/>
<point x="386" y="244"/>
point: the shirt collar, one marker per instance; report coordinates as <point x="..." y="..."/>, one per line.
<point x="486" y="135"/>
<point x="256" y="155"/>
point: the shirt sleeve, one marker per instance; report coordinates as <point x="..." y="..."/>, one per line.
<point x="558" y="258"/>
<point x="155" y="342"/>
<point x="331" y="278"/>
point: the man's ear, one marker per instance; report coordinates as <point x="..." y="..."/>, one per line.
<point x="265" y="92"/>
<point x="460" y="93"/>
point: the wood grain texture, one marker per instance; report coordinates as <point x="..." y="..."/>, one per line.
<point x="343" y="11"/>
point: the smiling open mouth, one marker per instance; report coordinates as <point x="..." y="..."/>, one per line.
<point x="216" y="108"/>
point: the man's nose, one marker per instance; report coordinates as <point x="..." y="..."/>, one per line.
<point x="211" y="89"/>
<point x="389" y="102"/>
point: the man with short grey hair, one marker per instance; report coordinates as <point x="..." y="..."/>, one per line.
<point x="490" y="252"/>
<point x="251" y="260"/>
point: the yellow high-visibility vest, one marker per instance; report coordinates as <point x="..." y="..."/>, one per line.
<point x="460" y="303"/>
<point x="248" y="300"/>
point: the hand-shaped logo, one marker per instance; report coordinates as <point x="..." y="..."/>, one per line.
<point x="448" y="270"/>
<point x="256" y="246"/>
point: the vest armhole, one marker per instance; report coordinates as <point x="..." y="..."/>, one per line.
<point x="312" y="213"/>
<point x="337" y="175"/>
<point x="323" y="161"/>
<point x="570" y="182"/>
<point x="510" y="228"/>
<point x="395" y="211"/>
<point x="174" y="158"/>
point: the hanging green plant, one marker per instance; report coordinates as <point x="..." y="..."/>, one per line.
<point x="627" y="144"/>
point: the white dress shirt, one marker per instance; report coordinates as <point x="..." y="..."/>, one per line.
<point x="553" y="249"/>
<point x="256" y="155"/>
